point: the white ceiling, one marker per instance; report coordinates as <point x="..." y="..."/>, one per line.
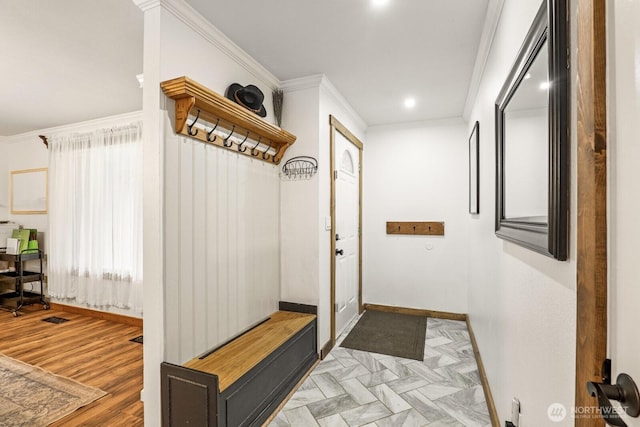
<point x="66" y="61"/>
<point x="375" y="57"/>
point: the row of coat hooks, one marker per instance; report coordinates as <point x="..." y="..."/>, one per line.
<point x="224" y="134"/>
<point x="205" y="115"/>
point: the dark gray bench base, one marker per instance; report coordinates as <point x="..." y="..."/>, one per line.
<point x="192" y="398"/>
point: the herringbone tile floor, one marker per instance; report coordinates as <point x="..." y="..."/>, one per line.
<point x="355" y="388"/>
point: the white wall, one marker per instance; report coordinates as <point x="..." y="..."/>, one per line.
<point x="624" y="175"/>
<point x="416" y="172"/>
<point x="299" y="202"/>
<point x="306" y="262"/>
<point x="221" y="219"/>
<point x="522" y="305"/>
<point x="4" y="181"/>
<point x="19" y="152"/>
<point x="210" y="269"/>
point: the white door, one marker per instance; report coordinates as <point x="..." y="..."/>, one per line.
<point x="347" y="176"/>
<point x="624" y="184"/>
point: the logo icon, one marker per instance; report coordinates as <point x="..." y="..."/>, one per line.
<point x="556" y="412"/>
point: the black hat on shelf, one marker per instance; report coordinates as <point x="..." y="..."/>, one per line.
<point x="250" y="97"/>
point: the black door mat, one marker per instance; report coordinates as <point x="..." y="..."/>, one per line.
<point x="55" y="319"/>
<point x="394" y="334"/>
<point x="137" y="339"/>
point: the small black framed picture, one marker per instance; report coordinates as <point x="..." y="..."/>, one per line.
<point x="474" y="170"/>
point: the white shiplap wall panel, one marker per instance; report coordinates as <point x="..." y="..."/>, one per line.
<point x="200" y="283"/>
<point x="232" y="243"/>
<point x="222" y="240"/>
<point x="185" y="224"/>
<point x="222" y="244"/>
<point x="210" y="234"/>
<point x="172" y="233"/>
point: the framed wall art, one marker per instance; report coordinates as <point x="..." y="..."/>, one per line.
<point x="29" y="191"/>
<point x="474" y="170"/>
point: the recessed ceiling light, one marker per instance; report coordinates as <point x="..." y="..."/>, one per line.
<point x="409" y="102"/>
<point x="545" y="85"/>
<point x="379" y="3"/>
<point x="527" y="76"/>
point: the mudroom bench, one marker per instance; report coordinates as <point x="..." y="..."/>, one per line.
<point x="242" y="382"/>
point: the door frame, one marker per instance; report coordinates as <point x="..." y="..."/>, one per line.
<point x="591" y="268"/>
<point x="336" y="125"/>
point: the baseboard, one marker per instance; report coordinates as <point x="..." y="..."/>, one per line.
<point x="111" y="317"/>
<point x="326" y="349"/>
<point x="417" y="312"/>
<point x="491" y="406"/>
<point x="298" y="308"/>
<point x="291" y="393"/>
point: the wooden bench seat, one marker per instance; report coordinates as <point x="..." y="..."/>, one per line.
<point x="242" y="382"/>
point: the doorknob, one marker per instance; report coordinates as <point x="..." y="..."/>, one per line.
<point x="624" y="391"/>
<point x="339" y="252"/>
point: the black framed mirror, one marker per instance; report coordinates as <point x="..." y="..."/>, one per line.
<point x="533" y="140"/>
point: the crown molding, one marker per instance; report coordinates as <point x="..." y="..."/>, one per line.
<point x="194" y="20"/>
<point x="322" y="83"/>
<point x="145" y="5"/>
<point x="444" y="121"/>
<point x="337" y="96"/>
<point x="302" y="83"/>
<point x="491" y="19"/>
<point x="85" y="126"/>
<point x="198" y="23"/>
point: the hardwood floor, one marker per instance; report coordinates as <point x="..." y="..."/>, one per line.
<point x="92" y="351"/>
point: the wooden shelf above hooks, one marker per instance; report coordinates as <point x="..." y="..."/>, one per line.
<point x="249" y="129"/>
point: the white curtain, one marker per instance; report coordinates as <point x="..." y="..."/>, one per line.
<point x="95" y="218"/>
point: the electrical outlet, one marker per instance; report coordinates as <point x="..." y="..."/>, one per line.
<point x="515" y="412"/>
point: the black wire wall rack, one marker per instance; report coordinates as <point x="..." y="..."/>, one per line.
<point x="300" y="167"/>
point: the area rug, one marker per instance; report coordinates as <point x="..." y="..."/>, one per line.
<point x="395" y="334"/>
<point x="33" y="397"/>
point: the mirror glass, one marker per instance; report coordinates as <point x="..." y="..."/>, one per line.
<point x="526" y="127"/>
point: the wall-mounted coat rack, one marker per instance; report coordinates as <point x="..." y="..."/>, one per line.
<point x="416" y="228"/>
<point x="213" y="119"/>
